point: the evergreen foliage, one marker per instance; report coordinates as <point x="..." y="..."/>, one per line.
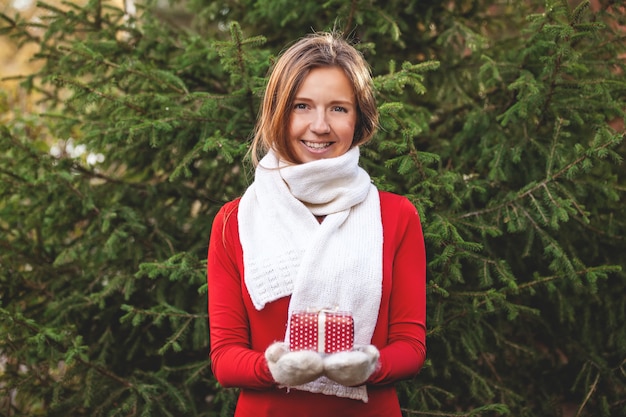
<point x="502" y="122"/>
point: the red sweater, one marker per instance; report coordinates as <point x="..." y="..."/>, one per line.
<point x="240" y="333"/>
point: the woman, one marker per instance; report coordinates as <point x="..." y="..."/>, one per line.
<point x="313" y="232"/>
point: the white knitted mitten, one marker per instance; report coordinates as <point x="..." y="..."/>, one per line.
<point x="352" y="368"/>
<point x="293" y="368"/>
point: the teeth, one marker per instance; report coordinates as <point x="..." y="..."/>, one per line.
<point x="316" y="145"/>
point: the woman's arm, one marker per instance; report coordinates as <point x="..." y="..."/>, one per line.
<point x="233" y="363"/>
<point x="405" y="352"/>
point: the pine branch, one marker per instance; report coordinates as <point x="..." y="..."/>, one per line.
<point x="590" y="392"/>
<point x="502" y="292"/>
<point x="535" y="187"/>
<point x="81" y="51"/>
<point x="30" y="325"/>
<point x="499" y="409"/>
<point x="353" y="9"/>
<point x="85" y="87"/>
<point x="160" y="314"/>
<point x="586" y="271"/>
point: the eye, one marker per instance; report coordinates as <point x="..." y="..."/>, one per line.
<point x="299" y="106"/>
<point x="340" y="109"/>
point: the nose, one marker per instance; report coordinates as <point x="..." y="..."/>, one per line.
<point x="319" y="124"/>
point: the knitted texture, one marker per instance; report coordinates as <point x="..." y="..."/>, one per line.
<point x="328" y="265"/>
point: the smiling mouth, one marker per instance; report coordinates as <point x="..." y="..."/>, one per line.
<point x="317" y="145"/>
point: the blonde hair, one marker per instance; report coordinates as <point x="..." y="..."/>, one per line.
<point x="315" y="50"/>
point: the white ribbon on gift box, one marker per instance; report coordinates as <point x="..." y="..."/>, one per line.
<point x="321" y="330"/>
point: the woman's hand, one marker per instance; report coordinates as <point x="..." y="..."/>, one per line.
<point x="291" y="369"/>
<point x="352" y="368"/>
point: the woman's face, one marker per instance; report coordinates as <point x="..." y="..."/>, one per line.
<point x="324" y="115"/>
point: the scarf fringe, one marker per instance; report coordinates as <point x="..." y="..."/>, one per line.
<point x="326" y="386"/>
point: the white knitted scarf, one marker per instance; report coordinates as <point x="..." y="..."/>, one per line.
<point x="334" y="264"/>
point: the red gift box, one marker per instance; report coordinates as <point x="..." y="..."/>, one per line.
<point x="324" y="331"/>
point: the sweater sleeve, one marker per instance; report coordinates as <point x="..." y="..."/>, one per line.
<point x="405" y="352"/>
<point x="233" y="362"/>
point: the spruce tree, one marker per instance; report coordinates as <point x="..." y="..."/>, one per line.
<point x="503" y="123"/>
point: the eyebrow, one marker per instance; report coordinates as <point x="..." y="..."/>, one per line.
<point x="339" y="101"/>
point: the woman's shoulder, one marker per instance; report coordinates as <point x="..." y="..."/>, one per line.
<point x="395" y="202"/>
<point x="399" y="217"/>
<point x="228" y="210"/>
<point x="231" y="205"/>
